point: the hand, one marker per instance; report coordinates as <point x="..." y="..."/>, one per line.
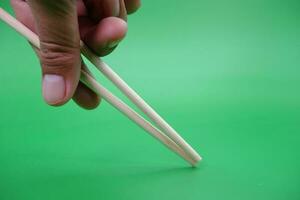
<point x="60" y="24"/>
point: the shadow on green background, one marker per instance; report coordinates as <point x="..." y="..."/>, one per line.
<point x="225" y="74"/>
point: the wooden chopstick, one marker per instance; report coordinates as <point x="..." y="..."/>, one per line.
<point x="172" y="139"/>
<point x="139" y="102"/>
<point x="131" y="114"/>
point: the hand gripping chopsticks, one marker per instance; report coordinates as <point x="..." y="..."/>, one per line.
<point x="164" y="133"/>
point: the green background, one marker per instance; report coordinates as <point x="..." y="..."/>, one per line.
<point x="225" y="74"/>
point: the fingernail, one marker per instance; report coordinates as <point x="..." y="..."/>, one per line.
<point x="113" y="44"/>
<point x="53" y="88"/>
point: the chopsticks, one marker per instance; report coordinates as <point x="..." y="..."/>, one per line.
<point x="164" y="133"/>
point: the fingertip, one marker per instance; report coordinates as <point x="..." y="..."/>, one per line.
<point x="54" y="89"/>
<point x="86" y="98"/>
<point x="132" y="5"/>
<point x="61" y="73"/>
<point x="107" y="35"/>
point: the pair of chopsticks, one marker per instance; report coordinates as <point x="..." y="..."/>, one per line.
<point x="164" y="133"/>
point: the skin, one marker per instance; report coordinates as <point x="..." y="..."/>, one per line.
<point x="60" y="25"/>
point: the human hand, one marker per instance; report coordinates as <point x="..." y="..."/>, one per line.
<point x="60" y="25"/>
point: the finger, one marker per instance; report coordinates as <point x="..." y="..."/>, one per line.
<point x="23" y="13"/>
<point x="84" y="96"/>
<point x="105" y="36"/>
<point x="132" y="5"/>
<point x="98" y="9"/>
<point x="123" y="11"/>
<point x="57" y="27"/>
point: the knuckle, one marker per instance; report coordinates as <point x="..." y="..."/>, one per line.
<point x="57" y="57"/>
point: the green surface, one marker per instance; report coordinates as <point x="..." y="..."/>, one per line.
<point x="225" y="74"/>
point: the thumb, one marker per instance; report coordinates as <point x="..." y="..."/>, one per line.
<point x="57" y="27"/>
